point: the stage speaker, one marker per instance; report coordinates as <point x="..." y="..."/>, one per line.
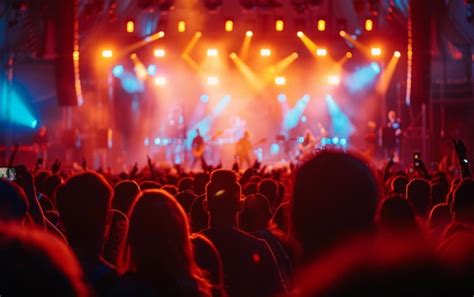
<point x="104" y="139"/>
<point x="419" y="34"/>
<point x="68" y="87"/>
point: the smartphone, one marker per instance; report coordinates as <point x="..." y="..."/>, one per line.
<point x="8" y="173"/>
<point x="416" y="159"/>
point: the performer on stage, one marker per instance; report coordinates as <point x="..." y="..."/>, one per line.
<point x="308" y="145"/>
<point x="198" y="148"/>
<point x="243" y="150"/>
<point x="41" y="143"/>
<point x="391" y="135"/>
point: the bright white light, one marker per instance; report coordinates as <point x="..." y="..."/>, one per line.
<point x="321" y="52"/>
<point x="159" y="53"/>
<point x="265" y="52"/>
<point x="160" y="81"/>
<point x="212" y="80"/>
<point x="334" y="80"/>
<point x="212" y="52"/>
<point x="280" y="80"/>
<point x="281" y="98"/>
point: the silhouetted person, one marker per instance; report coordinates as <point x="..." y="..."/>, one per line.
<point x="395" y="215"/>
<point x="13" y="203"/>
<point x="186" y="200"/>
<point x="269" y="188"/>
<point x="439" y="191"/>
<point x="199" y="216"/>
<point x="185" y="184"/>
<point x="35" y="263"/>
<point x="440" y="217"/>
<point x="418" y="194"/>
<point x="399" y="185"/>
<point x="83" y="202"/>
<point x="255" y="218"/>
<point x="125" y="194"/>
<point x="248" y="263"/>
<point x="463" y="203"/>
<point x="200" y="182"/>
<point x="334" y="201"/>
<point x="161" y="260"/>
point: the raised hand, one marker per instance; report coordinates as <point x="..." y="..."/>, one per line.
<point x="461" y="153"/>
<point x="56" y="166"/>
<point x="84" y="164"/>
<point x="134" y="170"/>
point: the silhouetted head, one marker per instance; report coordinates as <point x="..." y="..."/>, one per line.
<point x="200" y="182"/>
<point x="395" y="214"/>
<point x="173" y="190"/>
<point x="418" y="194"/>
<point x="35" y="263"/>
<point x="50" y="184"/>
<point x="269" y="188"/>
<point x="440" y="216"/>
<point x="334" y="199"/>
<point x="223" y="195"/>
<point x="399" y="184"/>
<point x="40" y="177"/>
<point x="83" y="202"/>
<point x="158" y="239"/>
<point x="439" y="191"/>
<point x="149" y="185"/>
<point x="250" y="188"/>
<point x="125" y="194"/>
<point x="199" y="215"/>
<point x="463" y="202"/>
<point x="13" y="202"/>
<point x="186" y="200"/>
<point x="256" y="213"/>
<point x="185" y="184"/>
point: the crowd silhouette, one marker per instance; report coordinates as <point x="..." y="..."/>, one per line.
<point x="332" y="226"/>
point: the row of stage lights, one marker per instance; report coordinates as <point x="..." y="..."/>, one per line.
<point x="321" y="25"/>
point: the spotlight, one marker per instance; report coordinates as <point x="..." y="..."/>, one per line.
<point x="342" y="33"/>
<point x="133" y="56"/>
<point x="249" y="33"/>
<point x="229" y="26"/>
<point x="397" y="54"/>
<point x="159" y="53"/>
<point x="321" y="52"/>
<point x="107" y="53"/>
<point x="334" y="80"/>
<point x="265" y="52"/>
<point x="300" y="34"/>
<point x="369" y="24"/>
<point x="130" y="26"/>
<point x="279" y="25"/>
<point x="117" y="70"/>
<point x="233" y="55"/>
<point x="281" y="98"/>
<point x="204" y="98"/>
<point x="321" y="25"/>
<point x="160" y="80"/>
<point x="280" y="80"/>
<point x="181" y="26"/>
<point x="212" y="52"/>
<point x="212" y="80"/>
<point x="151" y="69"/>
<point x="376" y="51"/>
<point x="348" y="55"/>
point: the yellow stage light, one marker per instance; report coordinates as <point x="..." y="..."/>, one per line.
<point x="369" y="25"/>
<point x="130" y="27"/>
<point x="397" y="54"/>
<point x="212" y="80"/>
<point x="376" y="51"/>
<point x="133" y="56"/>
<point x="348" y="55"/>
<point x="321" y="52"/>
<point x="265" y="52"/>
<point x="321" y="25"/>
<point x="159" y="53"/>
<point x="233" y="55"/>
<point x="300" y="34"/>
<point x="279" y="25"/>
<point x="212" y="52"/>
<point x="342" y="33"/>
<point x="249" y="33"/>
<point x="181" y="26"/>
<point x="229" y="25"/>
<point x="107" y="53"/>
<point x="280" y="80"/>
<point x="160" y="80"/>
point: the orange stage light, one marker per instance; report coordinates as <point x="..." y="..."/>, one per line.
<point x="130" y="26"/>
<point x="321" y="25"/>
<point x="265" y="52"/>
<point x="376" y="51"/>
<point x="279" y="25"/>
<point x="229" y="26"/>
<point x="159" y="53"/>
<point x="107" y="53"/>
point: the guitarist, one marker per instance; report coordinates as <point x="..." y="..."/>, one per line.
<point x="198" y="148"/>
<point x="243" y="150"/>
